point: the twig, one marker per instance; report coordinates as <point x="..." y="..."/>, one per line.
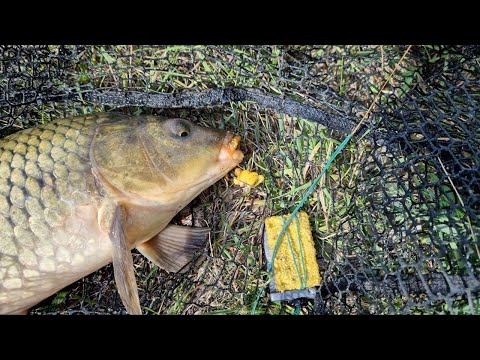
<point x="461" y="202"/>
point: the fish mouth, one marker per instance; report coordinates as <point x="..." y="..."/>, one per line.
<point x="229" y="150"/>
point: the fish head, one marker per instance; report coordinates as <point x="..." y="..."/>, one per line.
<point x="191" y="157"/>
<point x="163" y="160"/>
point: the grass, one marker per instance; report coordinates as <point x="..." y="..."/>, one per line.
<point x="353" y="210"/>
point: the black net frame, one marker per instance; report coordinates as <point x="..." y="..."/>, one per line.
<point x="396" y="218"/>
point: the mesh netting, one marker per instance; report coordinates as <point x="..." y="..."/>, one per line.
<point x="395" y="219"/>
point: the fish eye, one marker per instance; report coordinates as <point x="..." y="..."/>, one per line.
<point x="183" y="132"/>
<point x="179" y="128"/>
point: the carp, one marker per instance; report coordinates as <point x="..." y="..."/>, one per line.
<point x="81" y="192"/>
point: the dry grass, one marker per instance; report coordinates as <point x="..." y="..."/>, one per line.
<point x="290" y="152"/>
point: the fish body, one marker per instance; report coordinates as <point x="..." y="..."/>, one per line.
<point x="79" y="193"/>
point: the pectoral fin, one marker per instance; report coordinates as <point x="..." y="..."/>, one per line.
<point x="174" y="247"/>
<point x="123" y="263"/>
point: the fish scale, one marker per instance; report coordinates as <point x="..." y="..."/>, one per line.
<point x="78" y="193"/>
<point x="43" y="173"/>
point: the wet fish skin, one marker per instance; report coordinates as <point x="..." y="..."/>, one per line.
<point x="44" y="176"/>
<point x="61" y="185"/>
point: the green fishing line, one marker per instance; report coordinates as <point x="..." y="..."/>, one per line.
<point x="307" y="194"/>
<point x="296" y="210"/>
<point x="300" y="247"/>
<point x="292" y="252"/>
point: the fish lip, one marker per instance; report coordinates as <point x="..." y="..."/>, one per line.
<point x="231" y="140"/>
<point x="229" y="150"/>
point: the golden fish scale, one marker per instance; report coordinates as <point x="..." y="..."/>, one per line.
<point x="44" y="172"/>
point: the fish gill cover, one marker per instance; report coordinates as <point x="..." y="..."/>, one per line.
<point x="395" y="219"/>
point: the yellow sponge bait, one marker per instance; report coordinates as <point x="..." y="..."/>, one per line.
<point x="247" y="177"/>
<point x="286" y="274"/>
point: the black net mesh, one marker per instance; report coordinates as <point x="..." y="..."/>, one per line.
<point x="395" y="219"/>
